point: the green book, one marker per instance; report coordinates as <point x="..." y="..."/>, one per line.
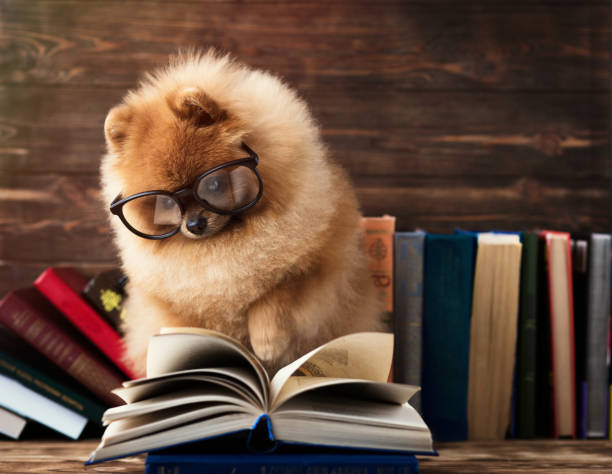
<point x="527" y="339"/>
<point x="33" y="370"/>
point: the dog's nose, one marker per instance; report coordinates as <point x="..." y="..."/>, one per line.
<point x="197" y="225"/>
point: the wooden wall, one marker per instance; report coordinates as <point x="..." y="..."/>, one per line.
<point x="476" y="114"/>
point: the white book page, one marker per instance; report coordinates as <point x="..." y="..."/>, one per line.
<point x="177" y="349"/>
<point x="178" y="398"/>
<point x="364" y="355"/>
<point x="182" y="434"/>
<point x="137" y="426"/>
<point x="239" y="379"/>
<point x="345" y="409"/>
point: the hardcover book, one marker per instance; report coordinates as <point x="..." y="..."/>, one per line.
<point x="561" y="313"/>
<point x="281" y="463"/>
<point x="63" y="287"/>
<point x="31" y="317"/>
<point x="33" y="370"/>
<point x="580" y="268"/>
<point x="29" y="404"/>
<point x="449" y="269"/>
<point x="598" y="309"/>
<point x="408" y="314"/>
<point x="493" y="335"/>
<point x="526" y="360"/>
<point x="378" y="243"/>
<point x="202" y="384"/>
<point x="106" y="293"/>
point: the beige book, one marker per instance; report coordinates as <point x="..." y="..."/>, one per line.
<point x="493" y="333"/>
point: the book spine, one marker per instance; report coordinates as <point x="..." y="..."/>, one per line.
<point x="49" y="388"/>
<point x="408" y="312"/>
<point x="527" y="340"/>
<point x="447" y="300"/>
<point x="597" y="335"/>
<point x="70" y="356"/>
<point x="579" y="280"/>
<point x="561" y="303"/>
<point x="378" y="243"/>
<point x="83" y="316"/>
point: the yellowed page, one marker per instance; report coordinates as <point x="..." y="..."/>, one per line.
<point x="364" y="355"/>
<point x="381" y="391"/>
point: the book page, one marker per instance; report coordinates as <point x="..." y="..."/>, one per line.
<point x="240" y="378"/>
<point x="133" y="427"/>
<point x="184" y="348"/>
<point x="364" y="355"/>
<point x="357" y="389"/>
<point x="167" y="384"/>
<point x="183" y="397"/>
<point x="345" y="409"/>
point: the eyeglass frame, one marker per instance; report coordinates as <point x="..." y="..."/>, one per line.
<point x="116" y="207"/>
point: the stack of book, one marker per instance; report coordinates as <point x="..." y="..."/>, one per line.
<point x="60" y="353"/>
<point x="507" y="333"/>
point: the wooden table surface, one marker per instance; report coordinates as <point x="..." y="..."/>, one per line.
<point x="540" y="456"/>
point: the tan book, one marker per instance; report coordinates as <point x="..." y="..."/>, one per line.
<point x="493" y="334"/>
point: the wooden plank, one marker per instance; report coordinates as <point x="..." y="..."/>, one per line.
<point x="533" y="456"/>
<point x="48" y="218"/>
<point x="389" y="132"/>
<point x="454" y="45"/>
<point x="20" y="274"/>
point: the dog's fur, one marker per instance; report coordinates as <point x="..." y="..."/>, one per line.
<point x="285" y="276"/>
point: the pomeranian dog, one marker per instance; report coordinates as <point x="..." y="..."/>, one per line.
<point x="229" y="215"/>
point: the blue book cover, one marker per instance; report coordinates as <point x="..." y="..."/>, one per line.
<point x="448" y="284"/>
<point x="408" y="305"/>
<point x="297" y="463"/>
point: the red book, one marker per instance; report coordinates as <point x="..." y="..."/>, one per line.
<point x="63" y="287"/>
<point x="561" y="309"/>
<point x="31" y="317"/>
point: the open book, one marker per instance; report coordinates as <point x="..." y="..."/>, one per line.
<point x="202" y="384"/>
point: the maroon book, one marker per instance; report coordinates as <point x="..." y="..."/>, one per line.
<point x="30" y="316"/>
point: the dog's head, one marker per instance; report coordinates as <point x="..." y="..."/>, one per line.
<point x="184" y="144"/>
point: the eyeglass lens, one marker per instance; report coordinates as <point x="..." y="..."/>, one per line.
<point x="229" y="188"/>
<point x="156" y="214"/>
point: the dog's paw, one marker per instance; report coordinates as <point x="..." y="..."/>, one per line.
<point x="268" y="347"/>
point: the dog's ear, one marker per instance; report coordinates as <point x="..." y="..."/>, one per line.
<point x="116" y="126"/>
<point x="195" y="105"/>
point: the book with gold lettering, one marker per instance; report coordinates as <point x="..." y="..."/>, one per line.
<point x="203" y="385"/>
<point x="31" y="317"/>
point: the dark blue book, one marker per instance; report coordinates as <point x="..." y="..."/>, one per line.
<point x="292" y="463"/>
<point x="448" y="282"/>
<point x="408" y="309"/>
<point x="280" y="463"/>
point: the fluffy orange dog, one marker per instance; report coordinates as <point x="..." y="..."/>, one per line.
<point x="229" y="215"/>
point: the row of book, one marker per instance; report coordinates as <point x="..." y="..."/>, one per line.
<point x="506" y="332"/>
<point x="61" y="353"/>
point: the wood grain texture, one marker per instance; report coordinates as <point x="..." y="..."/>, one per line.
<point x="460" y="45"/>
<point x="487" y="457"/>
<point x="479" y="114"/>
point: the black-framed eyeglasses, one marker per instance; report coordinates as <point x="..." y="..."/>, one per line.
<point x="227" y="189"/>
